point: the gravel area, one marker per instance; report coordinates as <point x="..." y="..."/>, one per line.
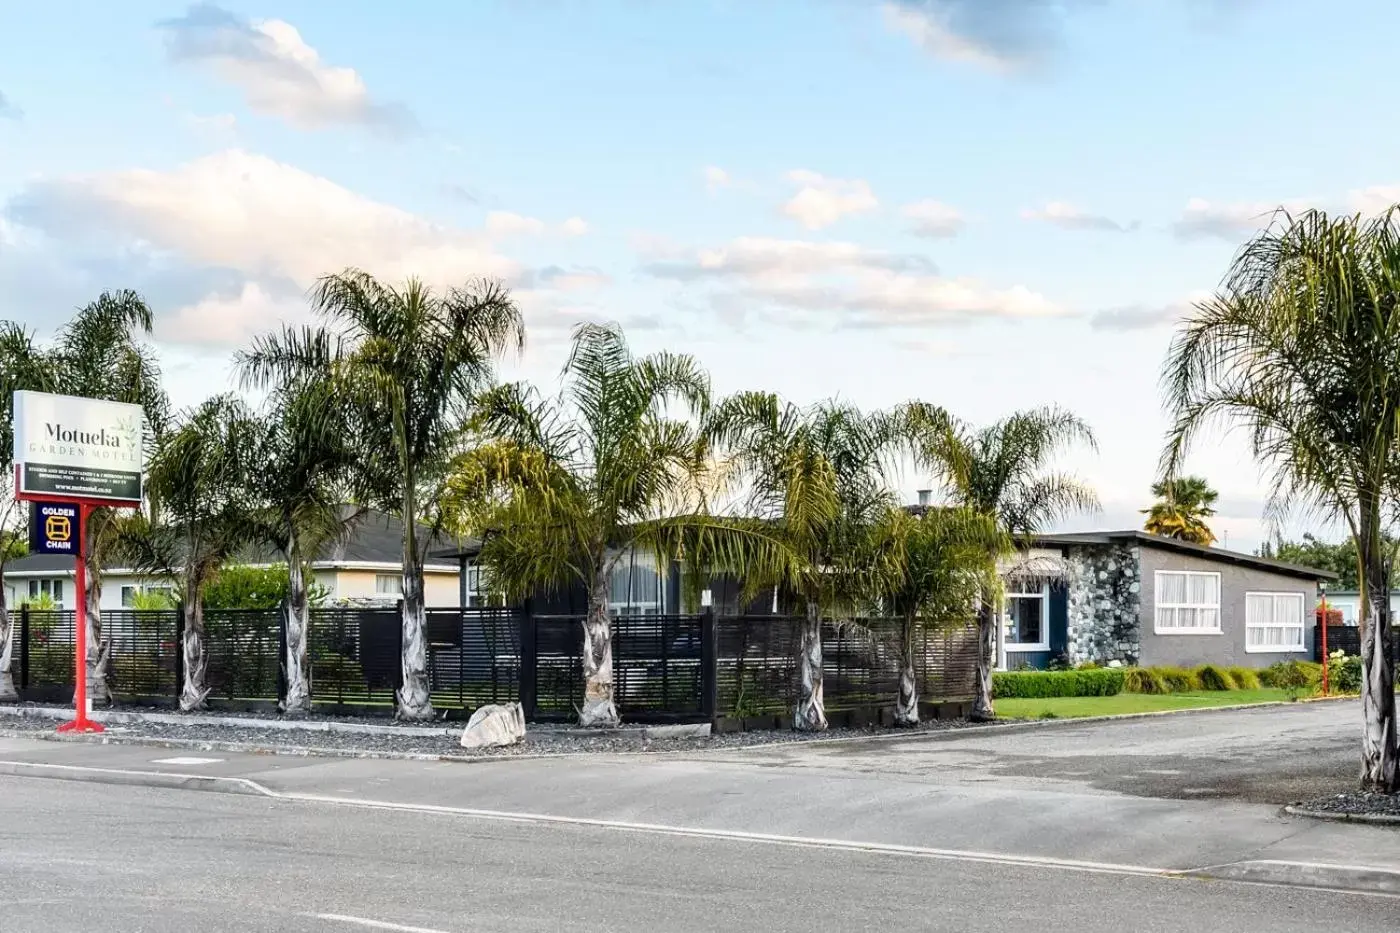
<point x="1356" y="803"/>
<point x="545" y="739"/>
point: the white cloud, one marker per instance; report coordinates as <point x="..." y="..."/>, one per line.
<point x="934" y="219"/>
<point x="1375" y="199"/>
<point x="821" y="201"/>
<point x="716" y="178"/>
<point x="559" y="279"/>
<point x="278" y="72"/>
<point x="574" y="226"/>
<point x="232" y="320"/>
<point x="508" y="224"/>
<point x="1144" y="316"/>
<point x="843" y="285"/>
<point x="1234" y="221"/>
<point x="1070" y="217"/>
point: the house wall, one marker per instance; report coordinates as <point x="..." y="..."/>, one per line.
<point x="1350" y="605"/>
<point x="17" y="589"/>
<point x="1104" y="603"/>
<point x="440" y="587"/>
<point x="1228" y="647"/>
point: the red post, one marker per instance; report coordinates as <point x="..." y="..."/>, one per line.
<point x="1324" y="642"/>
<point x="80" y="722"/>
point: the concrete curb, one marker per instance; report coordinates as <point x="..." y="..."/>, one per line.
<point x="1359" y="879"/>
<point x="161" y="779"/>
<point x="1376" y="819"/>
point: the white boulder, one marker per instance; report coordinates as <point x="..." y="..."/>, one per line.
<point x="495" y="725"/>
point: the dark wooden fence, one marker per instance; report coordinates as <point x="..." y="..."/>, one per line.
<point x="665" y="667"/>
<point x="1347" y="639"/>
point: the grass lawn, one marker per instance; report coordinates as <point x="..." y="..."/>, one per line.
<point x="1077" y="707"/>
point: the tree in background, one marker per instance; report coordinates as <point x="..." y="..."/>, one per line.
<point x="203" y="475"/>
<point x="242" y="586"/>
<point x="929" y="570"/>
<point x="98" y="354"/>
<point x="1182" y="507"/>
<point x="1301" y="347"/>
<point x="406" y="364"/>
<point x="566" y="489"/>
<point x="1340" y="558"/>
<point x="1004" y="471"/>
<point x="816" y="478"/>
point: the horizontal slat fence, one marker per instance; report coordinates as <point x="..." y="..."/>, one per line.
<point x="665" y="667"/>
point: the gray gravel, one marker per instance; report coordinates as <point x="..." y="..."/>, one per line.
<point x="540" y="739"/>
<point x="1356" y="803"/>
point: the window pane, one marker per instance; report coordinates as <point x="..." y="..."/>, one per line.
<point x="58" y="591"/>
<point x="1166" y="618"/>
<point x="1171" y="588"/>
<point x="1208" y="619"/>
<point x="1024" y="620"/>
<point x="1186" y="618"/>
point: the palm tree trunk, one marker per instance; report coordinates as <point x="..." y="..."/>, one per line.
<point x="99" y="690"/>
<point x="906" y="711"/>
<point x="982" y="710"/>
<point x="599" y="709"/>
<point x="195" y="690"/>
<point x="296" y="622"/>
<point x="416" y="693"/>
<point x="7" y="645"/>
<point x="1380" y="770"/>
<point x="810" y="715"/>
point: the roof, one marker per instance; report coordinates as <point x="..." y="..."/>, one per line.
<point x="375" y="538"/>
<point x="1184" y="547"/>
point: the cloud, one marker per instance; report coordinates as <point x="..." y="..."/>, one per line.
<point x="934" y="219"/>
<point x="1073" y="218"/>
<point x="841" y="285"/>
<point x="508" y="224"/>
<point x="557" y="278"/>
<point x="1143" y="317"/>
<point x="460" y="193"/>
<point x="996" y="35"/>
<point x="228" y="319"/>
<point x="1375" y="199"/>
<point x="8" y="109"/>
<point x="716" y="178"/>
<point x="821" y="201"/>
<point x="278" y="73"/>
<point x="1202" y="218"/>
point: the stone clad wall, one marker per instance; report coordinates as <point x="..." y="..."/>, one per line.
<point x="1104" y="589"/>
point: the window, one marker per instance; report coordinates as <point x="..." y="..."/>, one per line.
<point x="1273" y="622"/>
<point x="473" y="586"/>
<point x="635" y="587"/>
<point x="1188" y="603"/>
<point x="129" y="596"/>
<point x="388" y="584"/>
<point x="54" y="588"/>
<point x="1026" y="624"/>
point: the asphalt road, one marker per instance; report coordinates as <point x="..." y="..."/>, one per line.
<point x="78" y="857"/>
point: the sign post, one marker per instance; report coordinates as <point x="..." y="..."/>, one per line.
<point x="72" y="455"/>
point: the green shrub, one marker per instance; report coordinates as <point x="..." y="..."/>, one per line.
<point x="1087" y="666"/>
<point x="1294" y="677"/>
<point x="1343" y="673"/>
<point x="1041" y="684"/>
<point x="1214" y="678"/>
<point x="1143" y="680"/>
<point x="1179" y="679"/>
<point x="1245" y="678"/>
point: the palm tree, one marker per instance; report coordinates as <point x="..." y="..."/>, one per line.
<point x="98" y="354"/>
<point x="928" y="570"/>
<point x="202" y="475"/>
<point x="1003" y="471"/>
<point x="1301" y="346"/>
<point x="565" y="489"/>
<point x="817" y="478"/>
<point x="306" y="454"/>
<point x="406" y="362"/>
<point x="1182" y="507"/>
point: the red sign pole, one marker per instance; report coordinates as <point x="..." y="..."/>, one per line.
<point x="81" y="722"/>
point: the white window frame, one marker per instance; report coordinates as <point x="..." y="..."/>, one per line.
<point x="47" y="586"/>
<point x="1302" y="625"/>
<point x="1158" y="605"/>
<point x="1043" y="594"/>
<point x="386" y="594"/>
<point x="634" y="605"/>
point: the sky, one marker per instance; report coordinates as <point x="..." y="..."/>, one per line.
<point x="985" y="204"/>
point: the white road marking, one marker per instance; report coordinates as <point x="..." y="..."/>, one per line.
<point x="374" y="924"/>
<point x="185" y="760"/>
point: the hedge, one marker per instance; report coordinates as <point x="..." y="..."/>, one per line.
<point x="1103" y="682"/>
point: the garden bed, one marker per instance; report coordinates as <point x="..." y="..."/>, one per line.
<point x="1356" y="805"/>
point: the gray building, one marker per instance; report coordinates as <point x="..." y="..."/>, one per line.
<point x="1141" y="599"/>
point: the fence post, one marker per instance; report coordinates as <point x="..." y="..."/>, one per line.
<point x="24" y="647"/>
<point x="709" y="664"/>
<point x="529" y="661"/>
<point x="179" y="650"/>
<point x="282" y="656"/>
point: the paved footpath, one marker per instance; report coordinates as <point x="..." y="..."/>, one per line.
<point x="1181" y="792"/>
